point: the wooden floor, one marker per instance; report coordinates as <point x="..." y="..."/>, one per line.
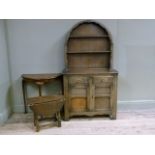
<point x="128" y="122"/>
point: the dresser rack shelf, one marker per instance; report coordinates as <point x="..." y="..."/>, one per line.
<point x="84" y="52"/>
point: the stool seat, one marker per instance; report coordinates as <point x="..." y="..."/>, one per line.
<point x="46" y="106"/>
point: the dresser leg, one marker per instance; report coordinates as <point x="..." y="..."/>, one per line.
<point x="34" y="120"/>
<point x="112" y="117"/>
<point x="36" y="123"/>
<point x="58" y="117"/>
<point x="66" y="118"/>
<point x="66" y="114"/>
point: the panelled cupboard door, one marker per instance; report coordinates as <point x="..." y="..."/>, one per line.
<point x="81" y="94"/>
<point x="78" y="93"/>
<point x="102" y="92"/>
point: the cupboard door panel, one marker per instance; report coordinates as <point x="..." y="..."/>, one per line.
<point x="103" y="85"/>
<point x="102" y="103"/>
<point x="78" y="104"/>
<point x="102" y="92"/>
<point x="77" y="92"/>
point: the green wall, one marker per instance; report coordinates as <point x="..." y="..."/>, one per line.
<point x="5" y="84"/>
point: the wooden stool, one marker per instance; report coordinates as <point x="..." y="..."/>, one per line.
<point x="46" y="107"/>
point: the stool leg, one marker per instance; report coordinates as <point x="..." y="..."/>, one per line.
<point x="58" y="117"/>
<point x="36" y="122"/>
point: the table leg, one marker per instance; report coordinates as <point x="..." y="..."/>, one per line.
<point x="24" y="95"/>
<point x="40" y="92"/>
<point x="62" y="85"/>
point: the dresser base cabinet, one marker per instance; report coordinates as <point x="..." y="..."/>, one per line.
<point x="90" y="95"/>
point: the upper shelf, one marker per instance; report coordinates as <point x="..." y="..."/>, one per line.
<point x="82" y="37"/>
<point x="85" y="52"/>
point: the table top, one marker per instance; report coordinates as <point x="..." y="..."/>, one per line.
<point x="41" y="76"/>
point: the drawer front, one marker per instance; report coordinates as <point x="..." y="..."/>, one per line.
<point x="103" y="81"/>
<point x="78" y="81"/>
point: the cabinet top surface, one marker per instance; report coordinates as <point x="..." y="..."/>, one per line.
<point x="41" y="76"/>
<point x="90" y="71"/>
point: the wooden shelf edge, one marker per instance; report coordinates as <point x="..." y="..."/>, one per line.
<point x="85" y="52"/>
<point x="91" y="37"/>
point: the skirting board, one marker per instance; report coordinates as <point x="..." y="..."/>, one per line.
<point x="4" y="116"/>
<point x="20" y="109"/>
<point x="122" y="105"/>
<point x="136" y="104"/>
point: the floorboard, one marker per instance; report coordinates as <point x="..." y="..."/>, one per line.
<point x="129" y="122"/>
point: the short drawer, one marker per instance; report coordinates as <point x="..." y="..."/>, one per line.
<point x="100" y="81"/>
<point x="78" y="80"/>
